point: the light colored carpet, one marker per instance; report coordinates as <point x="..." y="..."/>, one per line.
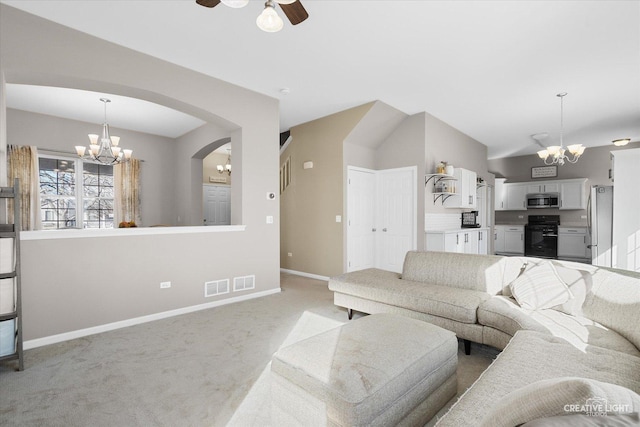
<point x="209" y="368"/>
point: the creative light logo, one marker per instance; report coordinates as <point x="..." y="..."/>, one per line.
<point x="597" y="407"/>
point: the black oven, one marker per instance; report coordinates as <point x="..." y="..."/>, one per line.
<point x="541" y="236"/>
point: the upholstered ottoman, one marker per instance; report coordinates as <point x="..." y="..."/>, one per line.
<point x="379" y="370"/>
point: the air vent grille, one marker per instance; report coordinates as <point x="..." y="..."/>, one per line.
<point x="216" y="287"/>
<point x="243" y="283"/>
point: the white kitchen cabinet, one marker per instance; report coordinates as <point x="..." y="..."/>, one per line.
<point x="572" y="194"/>
<point x="461" y="241"/>
<point x="483" y="241"/>
<point x="500" y="194"/>
<point x="543" y="187"/>
<point x="465" y="189"/>
<point x="498" y="239"/>
<point x="573" y="243"/>
<point x="516" y="196"/>
<point x="509" y="239"/>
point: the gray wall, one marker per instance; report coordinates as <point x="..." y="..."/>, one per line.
<point x="36" y="51"/>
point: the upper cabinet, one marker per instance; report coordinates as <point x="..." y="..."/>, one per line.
<point x="516" y="197"/>
<point x="501" y="194"/>
<point x="465" y="190"/>
<point x="512" y="196"/>
<point x="543" y="188"/>
<point x="572" y="194"/>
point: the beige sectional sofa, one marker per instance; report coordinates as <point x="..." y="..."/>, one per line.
<point x="569" y="320"/>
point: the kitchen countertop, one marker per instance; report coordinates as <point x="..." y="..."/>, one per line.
<point x="450" y="230"/>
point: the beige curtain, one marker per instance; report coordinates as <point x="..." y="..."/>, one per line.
<point x="126" y="182"/>
<point x="23" y="164"/>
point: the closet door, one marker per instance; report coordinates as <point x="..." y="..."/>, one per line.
<point x="361" y="192"/>
<point x="396" y="222"/>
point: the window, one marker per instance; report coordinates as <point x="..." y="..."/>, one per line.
<point x="75" y="194"/>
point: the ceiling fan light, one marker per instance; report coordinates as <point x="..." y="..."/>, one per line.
<point x="621" y="142"/>
<point x="236" y="4"/>
<point x="269" y="20"/>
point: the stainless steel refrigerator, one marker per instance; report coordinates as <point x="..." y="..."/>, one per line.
<point x="600" y="223"/>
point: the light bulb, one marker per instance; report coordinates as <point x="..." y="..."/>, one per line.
<point x="543" y="154"/>
<point x="80" y="149"/>
<point x="127" y="153"/>
<point x="236" y="4"/>
<point x="93" y="138"/>
<point x="575" y="149"/>
<point x="269" y="20"/>
<point x="115" y="140"/>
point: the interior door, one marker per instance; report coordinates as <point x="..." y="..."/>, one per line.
<point x="361" y="208"/>
<point x="216" y="202"/>
<point x="396" y="222"/>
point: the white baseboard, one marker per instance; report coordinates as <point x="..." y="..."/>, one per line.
<point x="309" y="275"/>
<point x="53" y="339"/>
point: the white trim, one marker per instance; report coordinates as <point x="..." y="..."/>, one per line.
<point x="286" y="144"/>
<point x="123" y="232"/>
<point x="303" y="274"/>
<point x="53" y="339"/>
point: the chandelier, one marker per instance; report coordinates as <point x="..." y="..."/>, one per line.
<point x="556" y="154"/>
<point x="104" y="149"/>
<point x="227" y="166"/>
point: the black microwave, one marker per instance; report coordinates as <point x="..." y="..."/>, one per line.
<point x="543" y="200"/>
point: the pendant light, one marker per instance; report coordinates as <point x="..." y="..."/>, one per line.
<point x="556" y="154"/>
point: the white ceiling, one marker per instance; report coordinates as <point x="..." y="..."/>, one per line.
<point x="489" y="68"/>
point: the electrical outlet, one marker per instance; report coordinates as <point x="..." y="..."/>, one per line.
<point x="289" y="254"/>
<point x="520" y="216"/>
<point x="583" y="217"/>
<point x="269" y="219"/>
<point x="165" y="285"/>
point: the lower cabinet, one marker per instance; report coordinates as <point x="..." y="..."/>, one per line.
<point x="573" y="243"/>
<point x="468" y="241"/>
<point x="509" y="239"/>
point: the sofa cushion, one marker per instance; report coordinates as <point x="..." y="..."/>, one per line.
<point x="561" y="396"/>
<point x="540" y="287"/>
<point x="504" y="314"/>
<point x="463" y="271"/>
<point x="532" y="356"/>
<point x="614" y="301"/>
<point x="444" y="301"/>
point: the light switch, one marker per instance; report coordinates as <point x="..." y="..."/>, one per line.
<point x="269" y="219"/>
<point x="338" y="218"/>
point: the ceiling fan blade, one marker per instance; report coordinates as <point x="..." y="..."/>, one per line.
<point x="208" y="3"/>
<point x="295" y="12"/>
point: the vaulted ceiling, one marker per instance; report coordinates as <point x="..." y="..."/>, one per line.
<point x="492" y="69"/>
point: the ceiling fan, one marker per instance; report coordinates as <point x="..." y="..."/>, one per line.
<point x="268" y="20"/>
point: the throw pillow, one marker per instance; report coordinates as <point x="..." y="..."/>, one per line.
<point x="540" y="287"/>
<point x="579" y="280"/>
<point x="561" y="396"/>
